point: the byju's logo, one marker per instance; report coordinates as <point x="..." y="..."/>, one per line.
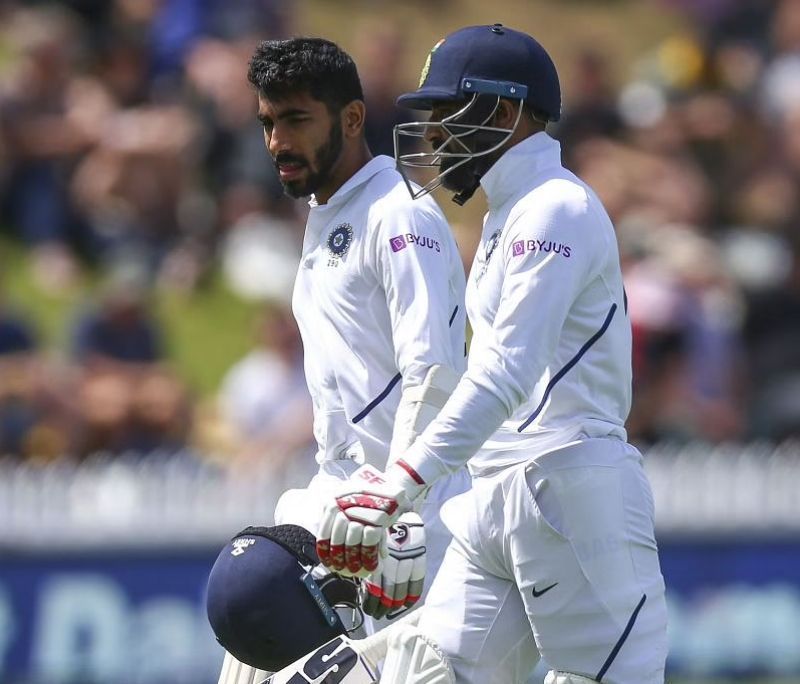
<point x="520" y="247"/>
<point x="399" y="242"/>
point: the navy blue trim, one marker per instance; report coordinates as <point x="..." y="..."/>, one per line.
<point x="568" y="366"/>
<point x="625" y="300"/>
<point x="377" y="400"/>
<point x="502" y="88"/>
<point x="453" y="317"/>
<point x="622" y="639"/>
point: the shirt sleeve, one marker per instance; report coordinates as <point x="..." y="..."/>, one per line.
<point x="412" y="257"/>
<point x="548" y="258"/>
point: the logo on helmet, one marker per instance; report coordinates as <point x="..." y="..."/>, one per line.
<point x="427" y="67"/>
<point x="241" y="545"/>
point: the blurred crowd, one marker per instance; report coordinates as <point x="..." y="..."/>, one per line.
<point x="129" y="147"/>
<point x="697" y="157"/>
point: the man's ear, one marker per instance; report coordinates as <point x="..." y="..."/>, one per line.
<point x="506" y="113"/>
<point x="353" y="116"/>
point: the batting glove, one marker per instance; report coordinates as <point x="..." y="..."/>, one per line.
<point x="352" y="531"/>
<point x="397" y="584"/>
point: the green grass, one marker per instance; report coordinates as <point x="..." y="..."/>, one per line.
<point x="206" y="331"/>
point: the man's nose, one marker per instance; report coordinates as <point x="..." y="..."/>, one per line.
<point x="433" y="135"/>
<point x="276" y="142"/>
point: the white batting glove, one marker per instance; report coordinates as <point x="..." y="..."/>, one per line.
<point x="397" y="583"/>
<point x="352" y="534"/>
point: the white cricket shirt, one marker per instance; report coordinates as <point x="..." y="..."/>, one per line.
<point x="378" y="299"/>
<point x="550" y="359"/>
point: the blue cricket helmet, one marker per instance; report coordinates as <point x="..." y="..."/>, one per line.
<point x="492" y="60"/>
<point x="269" y="603"/>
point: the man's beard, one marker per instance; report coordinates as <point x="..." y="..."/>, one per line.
<point x="325" y="158"/>
<point x="461" y="177"/>
<point x="468" y="174"/>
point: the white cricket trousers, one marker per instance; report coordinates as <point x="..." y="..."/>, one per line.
<point x="554" y="557"/>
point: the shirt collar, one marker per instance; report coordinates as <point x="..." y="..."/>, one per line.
<point x="360" y="177"/>
<point x="518" y="165"/>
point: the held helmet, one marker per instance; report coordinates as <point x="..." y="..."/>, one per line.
<point x="475" y="67"/>
<point x="269" y="602"/>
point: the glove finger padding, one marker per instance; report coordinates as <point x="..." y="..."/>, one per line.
<point x="398" y="584"/>
<point x="352" y="527"/>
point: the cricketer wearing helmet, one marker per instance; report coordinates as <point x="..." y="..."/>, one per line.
<point x="554" y="552"/>
<point x="378" y="298"/>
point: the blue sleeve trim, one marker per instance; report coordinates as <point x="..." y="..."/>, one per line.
<point x="568" y="366"/>
<point x="622" y="639"/>
<point x="452" y="317"/>
<point x="377" y="400"/>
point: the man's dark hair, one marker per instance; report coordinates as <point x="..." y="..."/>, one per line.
<point x="283" y="67"/>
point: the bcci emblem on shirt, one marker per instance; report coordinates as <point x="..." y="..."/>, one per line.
<point x="491" y="245"/>
<point x="339" y="241"/>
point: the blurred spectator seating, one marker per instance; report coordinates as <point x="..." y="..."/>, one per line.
<point x="264" y="410"/>
<point x="34" y="421"/>
<point x="129" y="398"/>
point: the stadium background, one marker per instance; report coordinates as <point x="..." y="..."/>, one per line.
<point x="151" y="397"/>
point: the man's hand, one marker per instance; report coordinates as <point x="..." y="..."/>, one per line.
<point x="352" y="530"/>
<point x="398" y="583"/>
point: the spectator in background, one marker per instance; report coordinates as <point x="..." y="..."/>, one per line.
<point x="260" y="243"/>
<point x="43" y="139"/>
<point x="129" y="398"/>
<point x="592" y="110"/>
<point x="33" y="406"/>
<point x="685" y="313"/>
<point x="122" y="328"/>
<point x="131" y="186"/>
<point x="263" y="400"/>
<point x="381" y="51"/>
<point x="18" y="410"/>
<point x="772" y="338"/>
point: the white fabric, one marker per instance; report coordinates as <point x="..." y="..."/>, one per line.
<point x="414" y="658"/>
<point x="419" y="405"/>
<point x="391" y="303"/>
<point x="575" y="525"/>
<point x="304" y="506"/>
<point x="567" y="678"/>
<point x="236" y="672"/>
<point x="547" y="308"/>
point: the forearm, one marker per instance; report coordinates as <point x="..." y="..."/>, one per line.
<point x="470" y="417"/>
<point x="419" y="405"/>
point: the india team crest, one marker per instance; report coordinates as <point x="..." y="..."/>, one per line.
<point x="339" y="239"/>
<point x="491" y="244"/>
<point x="427" y="67"/>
